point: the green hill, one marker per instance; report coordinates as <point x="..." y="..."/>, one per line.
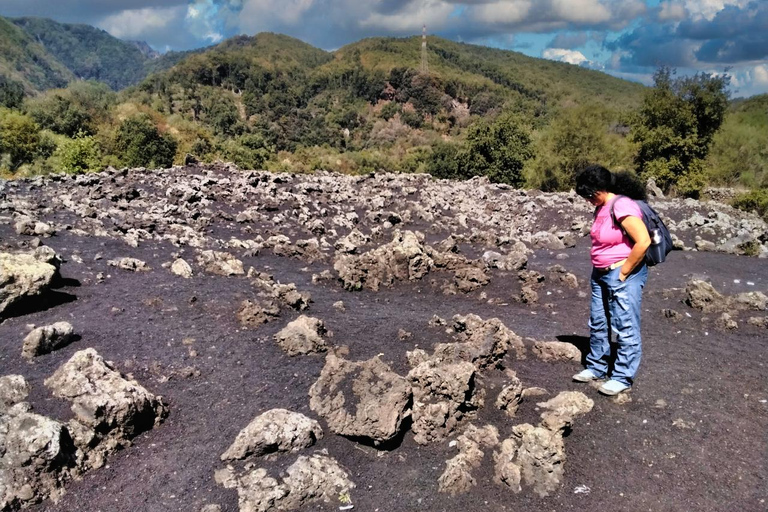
<point x="44" y="54"/>
<point x="25" y="61"/>
<point x="479" y="67"/>
<point x="88" y="52"/>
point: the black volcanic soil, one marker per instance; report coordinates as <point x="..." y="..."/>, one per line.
<point x="693" y="438"/>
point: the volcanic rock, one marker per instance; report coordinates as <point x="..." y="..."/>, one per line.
<point x="457" y="477"/>
<point x="482" y="342"/>
<point x="181" y="268"/>
<point x="703" y="296"/>
<point x="535" y="456"/>
<point x="36" y="455"/>
<point x="402" y="259"/>
<point x="302" y="336"/>
<point x="552" y="351"/>
<point x="361" y="399"/>
<point x="109" y="409"/>
<point x="511" y="395"/>
<point x="25" y="275"/>
<point x="256" y="313"/>
<point x="443" y="394"/>
<point x="13" y="390"/>
<point x="277" y="430"/>
<point x="220" y="263"/>
<point x="131" y="264"/>
<point x="561" y="410"/>
<point x="308" y="479"/>
<point x="43" y="340"/>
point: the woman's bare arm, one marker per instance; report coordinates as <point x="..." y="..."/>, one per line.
<point x="637" y="231"/>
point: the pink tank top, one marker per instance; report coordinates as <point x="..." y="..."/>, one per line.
<point x="609" y="243"/>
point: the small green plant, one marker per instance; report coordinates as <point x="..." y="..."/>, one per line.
<point x="345" y="498"/>
<point x="754" y="201"/>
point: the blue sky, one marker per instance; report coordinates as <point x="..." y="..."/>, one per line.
<point x="626" y="38"/>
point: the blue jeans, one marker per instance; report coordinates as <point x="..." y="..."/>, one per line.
<point x="616" y="308"/>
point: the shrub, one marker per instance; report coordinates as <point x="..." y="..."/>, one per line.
<point x="140" y="144"/>
<point x="754" y="201"/>
<point x="80" y="154"/>
<point x="675" y="125"/>
<point x="497" y="150"/>
<point x="19" y="138"/>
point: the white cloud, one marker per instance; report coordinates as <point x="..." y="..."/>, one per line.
<point x="435" y="13"/>
<point x="564" y="55"/>
<point x="709" y="8"/>
<point x="503" y="11"/>
<point x="671" y="11"/>
<point x="137" y="23"/>
<point x="581" y="11"/>
<point x="544" y="15"/>
<point x="760" y="75"/>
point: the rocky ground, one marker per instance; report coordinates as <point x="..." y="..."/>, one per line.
<point x="206" y="339"/>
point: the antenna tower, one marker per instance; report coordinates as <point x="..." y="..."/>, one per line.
<point x="424" y="65"/>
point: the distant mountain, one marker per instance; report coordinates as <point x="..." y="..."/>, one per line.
<point x="42" y="54"/>
<point x="23" y="60"/>
<point x="145" y="49"/>
<point x="88" y="52"/>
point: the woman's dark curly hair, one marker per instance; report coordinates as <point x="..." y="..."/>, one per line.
<point x="595" y="178"/>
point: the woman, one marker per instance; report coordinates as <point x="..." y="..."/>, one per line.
<point x="618" y="275"/>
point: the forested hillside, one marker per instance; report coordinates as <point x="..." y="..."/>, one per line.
<point x="45" y="54"/>
<point x="24" y="61"/>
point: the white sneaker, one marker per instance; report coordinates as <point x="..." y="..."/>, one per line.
<point x="585" y="376"/>
<point x="613" y="387"/>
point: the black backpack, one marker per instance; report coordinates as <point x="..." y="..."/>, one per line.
<point x="661" y="239"/>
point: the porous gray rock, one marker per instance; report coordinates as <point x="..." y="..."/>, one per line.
<point x="482" y="342"/>
<point x="25" y="275"/>
<point x="554" y="351"/>
<point x="109" y="409"/>
<point x="561" y="410"/>
<point x="36" y="457"/>
<point x="511" y="395"/>
<point x="305" y="335"/>
<point x="470" y="278"/>
<point x="307" y="480"/>
<point x="13" y="390"/>
<point x="361" y="399"/>
<point x="25" y="225"/>
<point x="444" y="393"/>
<point x="277" y="430"/>
<point x="181" y="268"/>
<point x="130" y="264"/>
<point x="254" y="314"/>
<point x="726" y="322"/>
<point x="535" y="455"/>
<point x="281" y="294"/>
<point x="457" y="477"/>
<point x="532" y="455"/>
<point x="43" y="340"/>
<point x="403" y="259"/>
<point x="351" y="243"/>
<point x="220" y="263"/>
<point x="702" y="296"/>
<point x="756" y="301"/>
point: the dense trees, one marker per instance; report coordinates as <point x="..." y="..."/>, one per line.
<point x="19" y="139"/>
<point x="140" y="143"/>
<point x="675" y="126"/>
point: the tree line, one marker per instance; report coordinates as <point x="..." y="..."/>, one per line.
<point x="351" y="119"/>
